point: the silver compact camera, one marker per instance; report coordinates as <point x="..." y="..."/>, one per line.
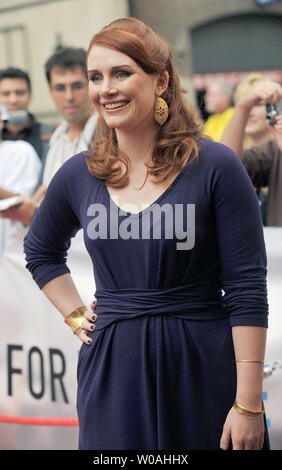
<point x="10" y="203"/>
<point x="13" y="117"/>
<point x="273" y="110"/>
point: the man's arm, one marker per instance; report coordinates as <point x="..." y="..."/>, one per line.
<point x="233" y="135"/>
<point x="26" y="211"/>
<point x="21" y="178"/>
<point x="4" y="193"/>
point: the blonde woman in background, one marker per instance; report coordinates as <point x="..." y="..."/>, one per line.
<point x="249" y="136"/>
<point x="257" y="130"/>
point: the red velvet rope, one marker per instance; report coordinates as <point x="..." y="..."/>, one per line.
<point x="34" y="421"/>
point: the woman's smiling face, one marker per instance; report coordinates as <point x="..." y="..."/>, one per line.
<point x="122" y="93"/>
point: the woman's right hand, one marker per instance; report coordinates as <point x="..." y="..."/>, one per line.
<point x="87" y="325"/>
<point x="263" y="93"/>
<point x="245" y="432"/>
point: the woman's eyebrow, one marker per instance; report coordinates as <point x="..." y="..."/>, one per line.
<point x="116" y="67"/>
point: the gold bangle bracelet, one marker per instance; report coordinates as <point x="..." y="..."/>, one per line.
<point x="76" y="318"/>
<point x="249" y="360"/>
<point x="245" y="411"/>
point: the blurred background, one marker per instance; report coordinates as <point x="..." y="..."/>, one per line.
<point x="210" y="38"/>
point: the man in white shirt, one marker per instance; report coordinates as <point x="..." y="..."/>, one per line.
<point x="19" y="172"/>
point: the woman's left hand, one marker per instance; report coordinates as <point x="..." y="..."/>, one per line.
<point x="245" y="432"/>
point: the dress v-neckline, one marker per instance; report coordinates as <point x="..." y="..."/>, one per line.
<point x="150" y="206"/>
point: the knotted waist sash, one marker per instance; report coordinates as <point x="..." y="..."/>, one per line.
<point x="186" y="302"/>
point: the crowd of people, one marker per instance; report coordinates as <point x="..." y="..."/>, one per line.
<point x="33" y="151"/>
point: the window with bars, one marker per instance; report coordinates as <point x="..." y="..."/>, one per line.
<point x="14" y="47"/>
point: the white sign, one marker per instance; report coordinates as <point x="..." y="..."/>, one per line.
<point x="38" y="352"/>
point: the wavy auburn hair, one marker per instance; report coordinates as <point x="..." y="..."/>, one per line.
<point x="176" y="140"/>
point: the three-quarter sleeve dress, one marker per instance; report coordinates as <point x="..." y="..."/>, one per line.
<point x="171" y="282"/>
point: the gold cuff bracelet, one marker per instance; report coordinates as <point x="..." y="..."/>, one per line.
<point x="76" y="318"/>
<point x="245" y="411"/>
<point x="249" y="360"/>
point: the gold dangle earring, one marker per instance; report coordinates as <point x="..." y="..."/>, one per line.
<point x="161" y="111"/>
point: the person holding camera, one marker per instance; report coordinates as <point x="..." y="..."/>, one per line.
<point x="20" y="168"/>
<point x="68" y="86"/>
<point x="257" y="130"/>
<point x="262" y="162"/>
<point x="16" y="95"/>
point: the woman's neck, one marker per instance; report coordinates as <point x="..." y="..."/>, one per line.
<point x="138" y="146"/>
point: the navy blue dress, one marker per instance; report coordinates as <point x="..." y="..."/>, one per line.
<point x="171" y="281"/>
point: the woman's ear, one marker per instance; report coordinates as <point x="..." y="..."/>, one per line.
<point x="162" y="82"/>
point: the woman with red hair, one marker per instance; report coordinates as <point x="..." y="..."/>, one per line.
<point x="173" y="356"/>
